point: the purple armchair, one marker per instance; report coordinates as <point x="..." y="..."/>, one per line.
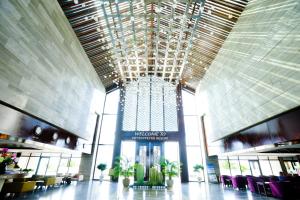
<point x="238" y="182"/>
<point x="226" y="180"/>
<point x="251" y="180"/>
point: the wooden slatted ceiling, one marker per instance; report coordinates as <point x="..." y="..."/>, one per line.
<point x="175" y="40"/>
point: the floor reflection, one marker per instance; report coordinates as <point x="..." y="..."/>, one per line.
<point x="95" y="190"/>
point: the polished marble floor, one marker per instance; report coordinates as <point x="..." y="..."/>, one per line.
<point x="114" y="191"/>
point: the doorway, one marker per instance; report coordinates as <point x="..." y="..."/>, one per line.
<point x="149" y="154"/>
<point x="255" y="167"/>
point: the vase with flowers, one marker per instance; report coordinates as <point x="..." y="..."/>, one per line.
<point x="6" y="159"/>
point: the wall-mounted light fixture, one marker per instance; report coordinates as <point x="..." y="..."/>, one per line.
<point x="68" y="140"/>
<point x="55" y="136"/>
<point x="38" y="130"/>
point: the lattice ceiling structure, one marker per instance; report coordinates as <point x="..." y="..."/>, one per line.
<point x="173" y="39"/>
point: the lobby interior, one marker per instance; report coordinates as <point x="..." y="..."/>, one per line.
<point x="201" y="94"/>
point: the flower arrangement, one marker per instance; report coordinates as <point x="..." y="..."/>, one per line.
<point x="6" y="159"/>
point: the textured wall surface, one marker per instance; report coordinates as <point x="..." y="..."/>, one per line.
<point x="256" y="74"/>
<point x="43" y="68"/>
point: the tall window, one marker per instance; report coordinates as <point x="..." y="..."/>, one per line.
<point x="224" y="166"/>
<point x="234" y="165"/>
<point x="107" y="133"/>
<point x="249" y="165"/>
<point x="192" y="134"/>
<point x="50" y="163"/>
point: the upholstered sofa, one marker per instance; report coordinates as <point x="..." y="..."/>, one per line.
<point x="18" y="187"/>
<point x="49" y="181"/>
<point x="288" y="189"/>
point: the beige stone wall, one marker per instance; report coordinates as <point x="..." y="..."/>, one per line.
<point x="43" y="68"/>
<point x="256" y="74"/>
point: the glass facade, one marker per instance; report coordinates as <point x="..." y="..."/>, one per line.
<point x="150" y="105"/>
<point x="107" y="134"/>
<point x="50" y="164"/>
<point x="192" y="135"/>
<point x="250" y="165"/>
<point x="172" y="151"/>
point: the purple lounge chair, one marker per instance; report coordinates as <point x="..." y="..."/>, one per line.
<point x="238" y="182"/>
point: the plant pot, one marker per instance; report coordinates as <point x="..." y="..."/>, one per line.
<point x="170" y="183"/>
<point x="101" y="178"/>
<point x="126" y="182"/>
<point x="199" y="179"/>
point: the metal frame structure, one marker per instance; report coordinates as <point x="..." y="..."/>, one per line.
<point x="173" y="39"/>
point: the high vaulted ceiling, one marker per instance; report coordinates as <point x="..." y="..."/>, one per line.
<point x="173" y="39"/>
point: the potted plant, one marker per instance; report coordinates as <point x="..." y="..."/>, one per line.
<point x="198" y="168"/>
<point x="124" y="168"/>
<point x="170" y="170"/>
<point x="139" y="174"/>
<point x="101" y="167"/>
<point x="26" y="171"/>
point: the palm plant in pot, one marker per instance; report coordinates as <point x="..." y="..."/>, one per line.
<point x="101" y="167"/>
<point x="170" y="170"/>
<point x="198" y="168"/>
<point x="123" y="167"/>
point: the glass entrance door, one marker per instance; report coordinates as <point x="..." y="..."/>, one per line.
<point x="149" y="154"/>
